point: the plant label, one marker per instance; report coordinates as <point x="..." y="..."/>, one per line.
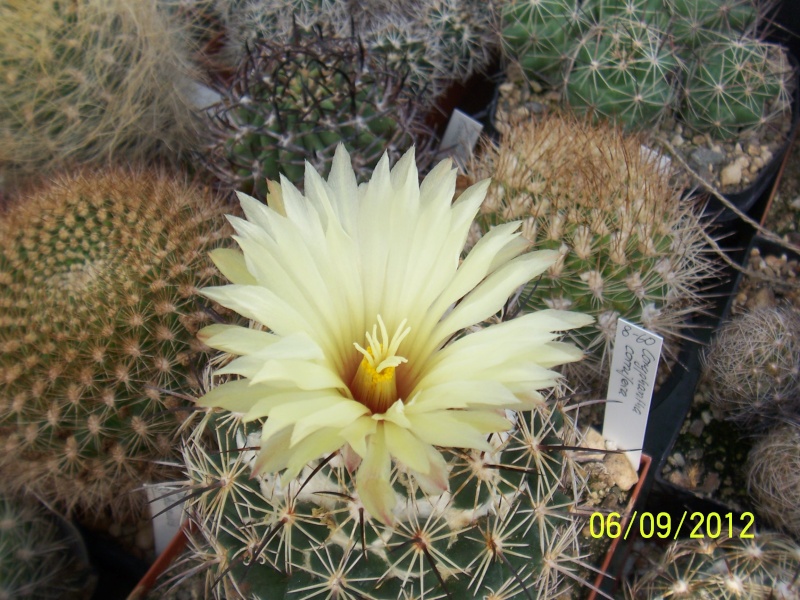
<point x="459" y="138"/>
<point x="167" y="510"/>
<point x="630" y="388"/>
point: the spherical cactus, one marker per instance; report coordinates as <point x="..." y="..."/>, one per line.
<point x="92" y="81"/>
<point x="97" y="322"/>
<point x="292" y="103"/>
<point x="760" y="567"/>
<point x="346" y="462"/>
<point x="40" y="557"/>
<point x="506" y="529"/>
<point x="623" y="70"/>
<point x="754" y="365"/>
<point x="772" y="477"/>
<point x="540" y="36"/>
<point x="629" y="245"/>
<point x="735" y="85"/>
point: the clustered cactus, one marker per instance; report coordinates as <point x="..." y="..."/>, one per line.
<point x="505" y="530"/>
<point x="292" y="103"/>
<point x="641" y="61"/>
<point x="38" y="558"/>
<point x="772" y="477"/>
<point x="630" y="247"/>
<point x="97" y="321"/>
<point x="763" y="567"/>
<point x="754" y="366"/>
<point x="91" y="80"/>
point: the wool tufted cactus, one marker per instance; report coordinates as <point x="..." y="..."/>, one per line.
<point x="772" y="482"/>
<point x="97" y="320"/>
<point x="753" y="365"/>
<point x="93" y="81"/>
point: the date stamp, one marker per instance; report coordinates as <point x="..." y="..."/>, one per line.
<point x="699" y="525"/>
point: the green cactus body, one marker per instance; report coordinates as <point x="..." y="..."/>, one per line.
<point x="504" y="530"/>
<point x="734" y="86"/>
<point x="761" y="566"/>
<point x="93" y="81"/>
<point x="623" y="70"/>
<point x="697" y="22"/>
<point x="289" y="104"/>
<point x="97" y="314"/>
<point x="541" y="35"/>
<point x="630" y="246"/>
<point x="38" y="556"/>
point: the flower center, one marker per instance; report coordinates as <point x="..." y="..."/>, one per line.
<point x="375" y="382"/>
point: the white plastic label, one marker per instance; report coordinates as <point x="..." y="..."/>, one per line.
<point x="459" y="138"/>
<point x="630" y="388"/>
<point x="167" y="520"/>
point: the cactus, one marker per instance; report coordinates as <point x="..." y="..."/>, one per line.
<point x="506" y="530"/>
<point x="540" y="35"/>
<point x="97" y="314"/>
<point x="623" y="70"/>
<point x="431" y="43"/>
<point x="38" y="558"/>
<point x="735" y="86"/>
<point x="629" y="245"/>
<point x="772" y="477"/>
<point x="762" y="567"/>
<point x="423" y="464"/>
<point x="640" y="61"/>
<point x="754" y="366"/>
<point x="289" y="104"/>
<point x="92" y="81"/>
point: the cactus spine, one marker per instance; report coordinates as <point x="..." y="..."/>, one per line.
<point x="97" y="314"/>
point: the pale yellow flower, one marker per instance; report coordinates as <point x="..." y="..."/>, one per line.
<point x="366" y="299"/>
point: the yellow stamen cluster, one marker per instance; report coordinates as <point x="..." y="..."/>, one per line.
<point x="375" y="382"/>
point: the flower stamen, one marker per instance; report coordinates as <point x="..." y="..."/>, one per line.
<point x="375" y="382"/>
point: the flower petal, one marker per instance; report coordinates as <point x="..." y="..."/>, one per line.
<point x="373" y="479"/>
<point x="458" y="428"/>
<point x="235" y="396"/>
<point x="235" y="339"/>
<point x="231" y="264"/>
<point x="407" y="448"/>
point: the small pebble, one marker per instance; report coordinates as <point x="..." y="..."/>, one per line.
<point x="731" y="175"/>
